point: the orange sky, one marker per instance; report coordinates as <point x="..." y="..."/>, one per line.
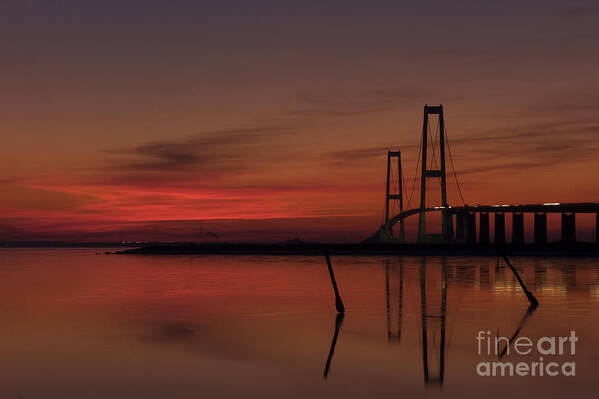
<point x="147" y="123"/>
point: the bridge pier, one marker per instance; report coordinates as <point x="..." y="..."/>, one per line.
<point x="517" y="228"/>
<point x="460" y="229"/>
<point x="471" y="228"/>
<point x="540" y="228"/>
<point x="499" y="238"/>
<point x="448" y="227"/>
<point x="568" y="228"/>
<point x="483" y="228"/>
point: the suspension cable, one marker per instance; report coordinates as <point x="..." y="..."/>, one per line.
<point x="415" y="174"/>
<point x="403" y="185"/>
<point x="453" y="166"/>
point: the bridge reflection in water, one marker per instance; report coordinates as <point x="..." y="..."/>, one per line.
<point x="394" y="335"/>
<point x="434" y="279"/>
<point x="433" y="312"/>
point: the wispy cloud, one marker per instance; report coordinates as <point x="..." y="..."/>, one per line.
<point x="536" y="145"/>
<point x="540" y="144"/>
<point x="224" y="149"/>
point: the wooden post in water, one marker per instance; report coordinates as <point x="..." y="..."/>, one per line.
<point x="338" y="302"/>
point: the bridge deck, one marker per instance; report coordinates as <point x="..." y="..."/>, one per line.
<point x="549" y="207"/>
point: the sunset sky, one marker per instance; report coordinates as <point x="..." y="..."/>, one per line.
<point x="269" y="120"/>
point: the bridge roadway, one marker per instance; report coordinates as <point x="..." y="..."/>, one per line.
<point x="549" y="207"/>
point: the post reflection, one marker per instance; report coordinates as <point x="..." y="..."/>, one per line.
<point x="338" y="323"/>
<point x="531" y="309"/>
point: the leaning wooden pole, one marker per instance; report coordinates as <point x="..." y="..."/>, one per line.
<point x="338" y="302"/>
<point x="531" y="298"/>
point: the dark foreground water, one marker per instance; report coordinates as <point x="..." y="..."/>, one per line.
<point x="74" y="324"/>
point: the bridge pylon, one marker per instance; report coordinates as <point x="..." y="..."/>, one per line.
<point x="397" y="195"/>
<point x="446" y="218"/>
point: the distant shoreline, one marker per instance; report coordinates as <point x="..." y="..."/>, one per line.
<point x="60" y="244"/>
<point x="553" y="249"/>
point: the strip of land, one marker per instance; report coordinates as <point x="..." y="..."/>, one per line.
<point x="552" y="249"/>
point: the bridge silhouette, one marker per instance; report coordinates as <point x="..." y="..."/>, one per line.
<point x="464" y="217"/>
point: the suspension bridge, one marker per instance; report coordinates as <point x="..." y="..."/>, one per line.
<point x="463" y="217"/>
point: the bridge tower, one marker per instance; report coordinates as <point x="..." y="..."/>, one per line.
<point x="387" y="233"/>
<point x="446" y="219"/>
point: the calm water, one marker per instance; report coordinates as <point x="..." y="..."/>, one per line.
<point x="75" y="324"/>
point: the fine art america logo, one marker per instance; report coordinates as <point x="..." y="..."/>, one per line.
<point x="523" y="346"/>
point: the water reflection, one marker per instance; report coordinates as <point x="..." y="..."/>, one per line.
<point x="433" y="282"/>
<point x="152" y="327"/>
<point x="433" y="300"/>
<point x="338" y="324"/>
<point x="394" y="336"/>
<point x="433" y="319"/>
<point x="531" y="309"/>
